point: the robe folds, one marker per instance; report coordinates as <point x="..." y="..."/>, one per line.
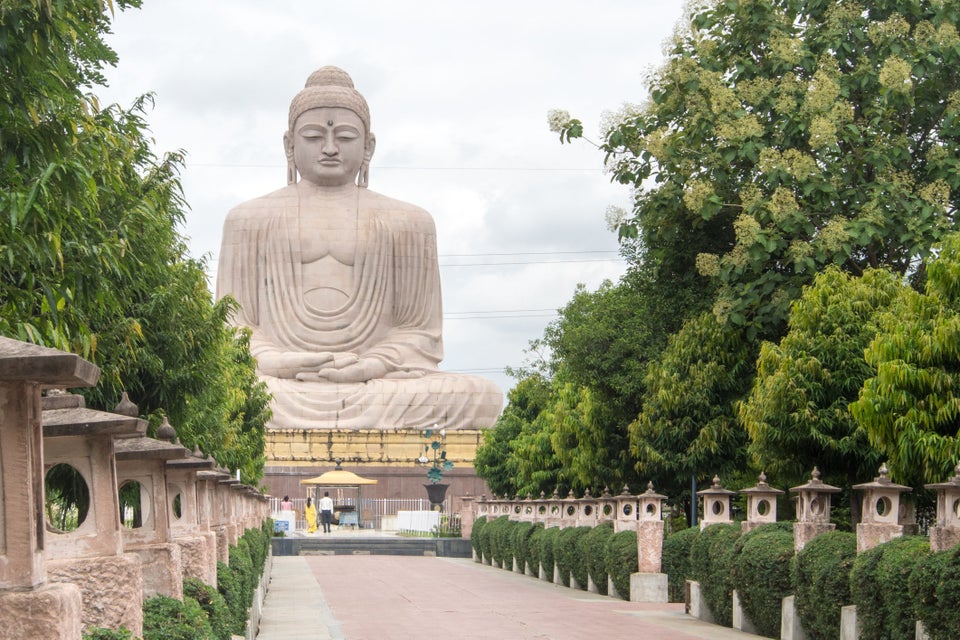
<point x="392" y="311"/>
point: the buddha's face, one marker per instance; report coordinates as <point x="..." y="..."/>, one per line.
<point x="329" y="145"/>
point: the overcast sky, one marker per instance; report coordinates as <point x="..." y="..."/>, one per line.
<point x="459" y="93"/>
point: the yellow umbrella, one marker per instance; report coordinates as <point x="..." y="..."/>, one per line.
<point x="340" y="478"/>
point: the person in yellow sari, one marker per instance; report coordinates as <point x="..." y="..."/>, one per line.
<point x="310" y="513"/>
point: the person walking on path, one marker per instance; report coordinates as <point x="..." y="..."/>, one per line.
<point x="310" y="515"/>
<point x="326" y="511"/>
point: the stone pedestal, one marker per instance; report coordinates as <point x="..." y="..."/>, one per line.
<point x="696" y="605"/>
<point x="162" y="573"/>
<point x="848" y="623"/>
<point x="649" y="546"/>
<point x="111" y="589"/>
<point x="790" y="628"/>
<point x="49" y="611"/>
<point x="198" y="556"/>
<point x="741" y="621"/>
<point x="648" y="587"/>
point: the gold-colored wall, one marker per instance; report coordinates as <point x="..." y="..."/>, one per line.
<point x="379" y="447"/>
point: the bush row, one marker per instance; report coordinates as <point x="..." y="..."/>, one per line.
<point x="206" y="613"/>
<point x="578" y="554"/>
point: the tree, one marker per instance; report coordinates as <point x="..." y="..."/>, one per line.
<point x="497" y="456"/>
<point x="910" y="408"/>
<point x="688" y="426"/>
<point x="796" y="414"/>
<point x="803" y="133"/>
<point x="91" y="259"/>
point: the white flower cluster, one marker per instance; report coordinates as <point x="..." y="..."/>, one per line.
<point x="558" y="119"/>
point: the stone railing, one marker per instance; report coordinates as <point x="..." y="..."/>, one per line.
<point x="884" y="517"/>
<point x="178" y="518"/>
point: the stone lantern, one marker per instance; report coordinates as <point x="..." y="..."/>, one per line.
<point x="761" y="504"/>
<point x="528" y="512"/>
<point x="198" y="545"/>
<point x="554" y="506"/>
<point x="716" y="504"/>
<point x="813" y="510"/>
<point x="628" y="508"/>
<point x="606" y="507"/>
<point x="540" y="509"/>
<point x="649" y="584"/>
<point x="29" y="603"/>
<point x="587" y="510"/>
<point x="141" y="476"/>
<point x="946" y="532"/>
<point x="885" y="516"/>
<point x="570" y="511"/>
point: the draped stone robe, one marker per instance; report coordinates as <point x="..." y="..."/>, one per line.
<point x="393" y="312"/>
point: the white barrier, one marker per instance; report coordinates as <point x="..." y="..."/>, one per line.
<point x="418" y="521"/>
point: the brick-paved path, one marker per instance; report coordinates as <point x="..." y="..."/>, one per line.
<point x="403" y="598"/>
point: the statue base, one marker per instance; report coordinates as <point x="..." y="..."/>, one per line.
<point x="386" y="455"/>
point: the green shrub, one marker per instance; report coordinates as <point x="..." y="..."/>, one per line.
<point x="886" y="613"/>
<point x="503" y="543"/>
<point x="761" y="574"/>
<point x="821" y="579"/>
<point x="621" y="560"/>
<point x="547" y="541"/>
<point x="475" y="536"/>
<point x="711" y="564"/>
<point x="167" y="618"/>
<point x="935" y="586"/>
<point x="594" y="551"/>
<point x="230" y="586"/>
<point x="99" y="633"/>
<point x="534" y="548"/>
<point x="569" y="560"/>
<point x="520" y="542"/>
<point x="213" y="604"/>
<point x="676" y="561"/>
<point x="486" y="537"/>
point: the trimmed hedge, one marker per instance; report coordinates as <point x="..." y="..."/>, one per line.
<point x="99" y="633"/>
<point x="821" y="578"/>
<point x="475" y="536"/>
<point x="237" y="581"/>
<point x="166" y="618"/>
<point x="676" y="561"/>
<point x="593" y="547"/>
<point x="493" y="540"/>
<point x="571" y="562"/>
<point x="886" y="613"/>
<point x="534" y="548"/>
<point x="546" y="550"/>
<point x="711" y="559"/>
<point x="621" y="560"/>
<point x="935" y="585"/>
<point x="761" y="574"/>
<point x="213" y="604"/>
<point x="520" y="542"/>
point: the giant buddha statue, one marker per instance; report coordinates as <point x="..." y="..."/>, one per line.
<point x="340" y="285"/>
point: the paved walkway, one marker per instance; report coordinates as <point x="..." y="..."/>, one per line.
<point x="366" y="597"/>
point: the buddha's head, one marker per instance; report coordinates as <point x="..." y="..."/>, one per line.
<point x="328" y="141"/>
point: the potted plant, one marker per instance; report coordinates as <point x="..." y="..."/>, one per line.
<point x="435" y="454"/>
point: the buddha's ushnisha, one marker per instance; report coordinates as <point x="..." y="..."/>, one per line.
<point x="340" y="285"/>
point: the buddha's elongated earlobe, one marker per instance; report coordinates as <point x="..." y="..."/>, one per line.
<point x="291" y="163"/>
<point x="363" y="180"/>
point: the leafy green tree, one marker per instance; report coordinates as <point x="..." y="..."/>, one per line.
<point x="91" y="258"/>
<point x="688" y="425"/>
<point x="803" y="133"/>
<point x="498" y="457"/>
<point x="911" y="406"/>
<point x="796" y="413"/>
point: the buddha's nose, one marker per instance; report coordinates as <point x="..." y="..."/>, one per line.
<point x="329" y="147"/>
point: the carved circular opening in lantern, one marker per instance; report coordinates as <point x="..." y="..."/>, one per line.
<point x="571" y="510"/>
<point x="627" y="509"/>
<point x="516" y="509"/>
<point x="554" y="509"/>
<point x="587" y="510"/>
<point x="651" y="509"/>
<point x="66" y="499"/>
<point x="607" y="510"/>
<point x="763" y="507"/>
<point x="883" y="506"/>
<point x="131" y="508"/>
<point x="541" y="509"/>
<point x="816" y="507"/>
<point x="717" y="507"/>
